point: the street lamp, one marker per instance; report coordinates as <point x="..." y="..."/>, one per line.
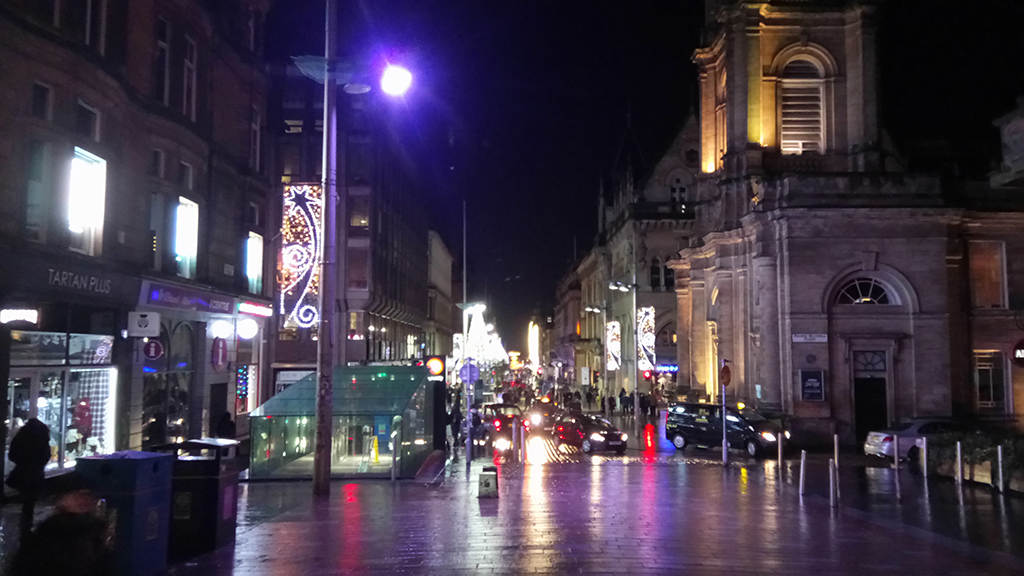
<point x="468" y="309"/>
<point x="331" y="71"/>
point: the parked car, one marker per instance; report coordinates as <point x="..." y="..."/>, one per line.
<point x="880" y="443"/>
<point x="497" y="423"/>
<point x="590" y="433"/>
<point x="701" y="425"/>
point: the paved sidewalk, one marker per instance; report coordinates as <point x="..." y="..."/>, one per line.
<point x="645" y="513"/>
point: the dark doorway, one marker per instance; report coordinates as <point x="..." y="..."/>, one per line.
<point x="870" y="406"/>
<point x="218" y="405"/>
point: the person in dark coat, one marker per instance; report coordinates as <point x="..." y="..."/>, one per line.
<point x="71" y="542"/>
<point x="226" y="426"/>
<point x="622" y="401"/>
<point x="30" y="451"/>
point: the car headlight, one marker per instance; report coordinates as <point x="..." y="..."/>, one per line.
<point x="501" y="444"/>
<point x="624" y="437"/>
<point x="595" y="437"/>
<point x="787" y="434"/>
<point x="768" y="436"/>
<point x="536" y="419"/>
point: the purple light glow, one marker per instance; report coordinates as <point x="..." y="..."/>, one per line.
<point x="395" y="81"/>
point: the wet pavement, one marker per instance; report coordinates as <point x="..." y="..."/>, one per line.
<point x="648" y="512"/>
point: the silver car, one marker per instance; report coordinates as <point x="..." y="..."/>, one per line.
<point x="880" y="443"/>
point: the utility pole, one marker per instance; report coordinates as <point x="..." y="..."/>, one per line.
<point x="465" y="343"/>
<point x="328" y="268"/>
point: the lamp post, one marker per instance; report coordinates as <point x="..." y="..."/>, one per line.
<point x="331" y="71"/>
<point x="468" y="309"/>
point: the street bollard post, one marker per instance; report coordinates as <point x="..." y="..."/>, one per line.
<point x="803" y="464"/>
<point x="522" y="444"/>
<point x="999" y="463"/>
<point x="924" y="457"/>
<point x="959" y="465"/>
<point x="780" y="457"/>
<point x="896" y="452"/>
<point x="835" y="448"/>
<point x="515" y="440"/>
<point x="832" y="482"/>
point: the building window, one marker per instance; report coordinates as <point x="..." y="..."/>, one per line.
<point x="186" y="237"/>
<point x="186" y="176"/>
<point x="254" y="262"/>
<point x="96" y="24"/>
<point x="670" y="278"/>
<point x="188" y="102"/>
<point x="87" y="121"/>
<point x="291" y="160"/>
<point x="989" y="382"/>
<point x="162" y="66"/>
<point x="358" y="268"/>
<point x="42" y="101"/>
<point x="254" y="139"/>
<point x="865" y="291"/>
<point x="359" y="216"/>
<point x="255" y="214"/>
<point x="721" y="122"/>
<point x="157" y="160"/>
<point x="986" y="263"/>
<point x="253" y="30"/>
<point x="802" y="95"/>
<point x="656" y="274"/>
<point x="86" y="198"/>
<point x="37" y="193"/>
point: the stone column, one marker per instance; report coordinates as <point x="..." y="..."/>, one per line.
<point x="767" y="323"/>
<point x="698" y="328"/>
<point x="684" y="313"/>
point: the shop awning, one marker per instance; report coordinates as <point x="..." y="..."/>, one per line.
<point x="375" y="390"/>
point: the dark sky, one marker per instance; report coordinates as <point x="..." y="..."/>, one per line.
<point x="535" y="95"/>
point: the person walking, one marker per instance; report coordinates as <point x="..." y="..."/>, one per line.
<point x="590" y="400"/>
<point x="30" y="452"/>
<point x="622" y="400"/>
<point x="226" y="426"/>
<point x="74" y="541"/>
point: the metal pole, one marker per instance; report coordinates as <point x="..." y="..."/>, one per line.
<point x="636" y="341"/>
<point x="328" y="270"/>
<point x="832" y="496"/>
<point x="522" y="444"/>
<point x="515" y="440"/>
<point x="803" y="464"/>
<point x="999" y="462"/>
<point x="896" y="452"/>
<point x="780" y="457"/>
<point x="465" y="340"/>
<point x="924" y="457"/>
<point x="725" y="441"/>
<point x="835" y="448"/>
<point x="959" y="465"/>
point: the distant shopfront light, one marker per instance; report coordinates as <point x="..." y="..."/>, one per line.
<point x="247" y="328"/>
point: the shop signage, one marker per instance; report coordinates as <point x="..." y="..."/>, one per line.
<point x="810" y="338"/>
<point x="186" y="299"/>
<point x="80" y="282"/>
<point x="725" y="376"/>
<point x="1018" y="353"/>
<point x="153" y="350"/>
<point x="144" y="324"/>
<point x="812" y="385"/>
<point x="219" y="354"/>
<point x="256" y="309"/>
<point x="29" y="316"/>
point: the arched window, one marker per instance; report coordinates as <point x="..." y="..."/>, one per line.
<point x="721" y="123"/>
<point x="865" y="291"/>
<point x="670" y="278"/>
<point x="667" y="335"/>
<point x="801" y="107"/>
<point x="656" y="274"/>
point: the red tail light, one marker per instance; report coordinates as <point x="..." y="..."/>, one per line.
<point x="887" y="439"/>
<point x="560" y="428"/>
<point x="497" y="424"/>
<point x="526" y="423"/>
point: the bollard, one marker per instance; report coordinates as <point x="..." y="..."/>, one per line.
<point x="488" y="483"/>
<point x="924" y="457"/>
<point x="780" y="458"/>
<point x="835" y="449"/>
<point x="803" y="464"/>
<point x="896" y="452"/>
<point x="999" y="463"/>
<point x="832" y="483"/>
<point x="515" y="440"/>
<point x="522" y="444"/>
<point x="959" y="465"/>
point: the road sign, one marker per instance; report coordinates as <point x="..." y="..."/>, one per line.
<point x="153" y="350"/>
<point x="469" y="373"/>
<point x="144" y="324"/>
<point x="725" y="376"/>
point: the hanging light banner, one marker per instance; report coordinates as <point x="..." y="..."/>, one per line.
<point x="645" y="358"/>
<point x="613" y="346"/>
<point x="298" y="273"/>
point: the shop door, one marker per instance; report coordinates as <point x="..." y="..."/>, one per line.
<point x="870" y="402"/>
<point x="19" y="407"/>
<point x="218" y="406"/>
<point x="37" y="393"/>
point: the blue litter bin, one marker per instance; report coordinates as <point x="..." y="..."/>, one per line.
<point x="137" y="488"/>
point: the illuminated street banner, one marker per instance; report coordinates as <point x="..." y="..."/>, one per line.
<point x="645" y="358"/>
<point x="613" y="346"/>
<point x="298" y="272"/>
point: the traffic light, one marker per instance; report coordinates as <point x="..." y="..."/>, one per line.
<point x="647" y="375"/>
<point x="435" y="367"/>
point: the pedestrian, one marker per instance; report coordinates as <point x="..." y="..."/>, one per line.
<point x="30" y="452"/>
<point x="226" y="426"/>
<point x="590" y="400"/>
<point x="622" y="400"/>
<point x="73" y="542"/>
<point x="643" y="404"/>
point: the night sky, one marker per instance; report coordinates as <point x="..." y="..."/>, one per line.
<point x="520" y="108"/>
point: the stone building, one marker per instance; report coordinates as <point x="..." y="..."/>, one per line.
<point x="437" y="329"/>
<point x="840" y="290"/>
<point x="567" y="328"/>
<point x="132" y="153"/>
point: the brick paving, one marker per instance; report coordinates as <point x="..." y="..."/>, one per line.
<point x="566" y="513"/>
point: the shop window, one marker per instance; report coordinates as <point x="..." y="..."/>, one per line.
<point x="989" y="382"/>
<point x="38" y="190"/>
<point x="358" y="268"/>
<point x="254" y="262"/>
<point x="86" y="199"/>
<point x="986" y="263"/>
<point x="42" y="101"/>
<point x="166" y="389"/>
<point x="186" y="237"/>
<point x="359" y="216"/>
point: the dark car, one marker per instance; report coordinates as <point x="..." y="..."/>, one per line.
<point x="590" y="433"/>
<point x="701" y="424"/>
<point x="497" y="425"/>
<point x="542" y="415"/>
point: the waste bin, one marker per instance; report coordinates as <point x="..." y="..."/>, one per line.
<point x="137" y="488"/>
<point x="204" y="496"/>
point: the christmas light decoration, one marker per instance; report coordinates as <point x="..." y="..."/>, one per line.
<point x="613" y="346"/>
<point x="645" y="357"/>
<point x="298" y="272"/>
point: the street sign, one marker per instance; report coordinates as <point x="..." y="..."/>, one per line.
<point x="219" y="354"/>
<point x="469" y="373"/>
<point x="153" y="350"/>
<point x="143" y="324"/>
<point x="725" y="376"/>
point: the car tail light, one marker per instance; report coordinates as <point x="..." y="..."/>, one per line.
<point x="526" y="423"/>
<point x="497" y="424"/>
<point x="887" y="439"/>
<point x="560" y="428"/>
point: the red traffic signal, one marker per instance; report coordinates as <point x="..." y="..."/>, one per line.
<point x="647" y="374"/>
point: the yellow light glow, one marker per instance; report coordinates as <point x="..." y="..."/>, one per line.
<point x="533" y="340"/>
<point x="741" y="405"/>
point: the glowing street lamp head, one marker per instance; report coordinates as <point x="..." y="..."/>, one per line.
<point x="395" y="81"/>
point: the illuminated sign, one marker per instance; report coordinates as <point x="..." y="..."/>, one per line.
<point x="298" y="273"/>
<point x="613" y="346"/>
<point x="645" y="358"/>
<point x="668" y="368"/>
<point x="9" y="315"/>
<point x="255" y="309"/>
<point x="435" y="366"/>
